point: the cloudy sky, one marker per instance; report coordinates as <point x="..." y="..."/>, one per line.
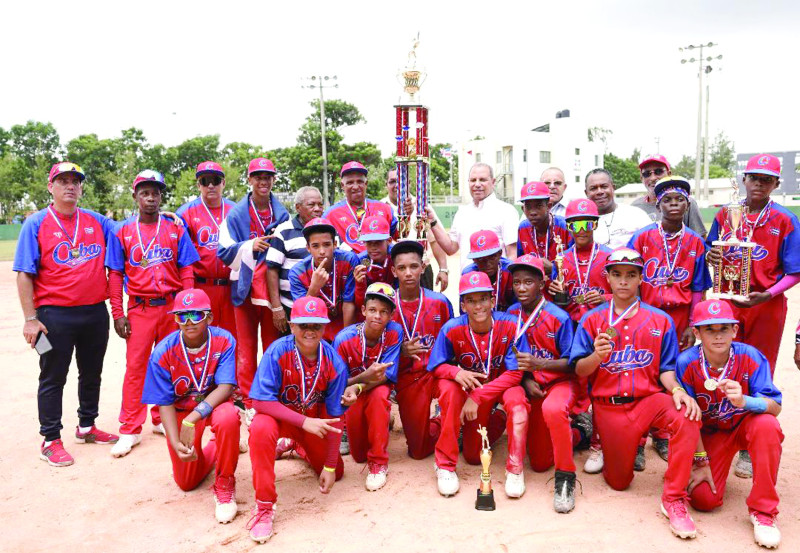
<point x="180" y="69"/>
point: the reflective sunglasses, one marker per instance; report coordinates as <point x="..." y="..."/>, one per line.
<point x="208" y="180"/>
<point x="194" y="317"/>
<point x="578" y="226"/>
<point x="657" y="172"/>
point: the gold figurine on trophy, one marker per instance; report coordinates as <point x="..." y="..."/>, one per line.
<point x="735" y="263"/>
<point x="485" y="500"/>
<point x="560" y="298"/>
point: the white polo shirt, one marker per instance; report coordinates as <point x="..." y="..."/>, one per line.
<point x="615" y="229"/>
<point x="490" y="214"/>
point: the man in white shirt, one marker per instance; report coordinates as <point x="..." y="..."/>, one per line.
<point x="554" y="178"/>
<point x="485" y="212"/>
<point x="618" y="222"/>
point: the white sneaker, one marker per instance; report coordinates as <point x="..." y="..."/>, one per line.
<point x="376" y="479"/>
<point x="765" y="531"/>
<point x="447" y="480"/>
<point x="594" y="463"/>
<point x="244" y="447"/>
<point x="125" y="444"/>
<point x="159" y="429"/>
<point x="249" y="415"/>
<point x="515" y="484"/>
<point x="224" y="491"/>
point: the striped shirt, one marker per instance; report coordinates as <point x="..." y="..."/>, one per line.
<point x="287" y="248"/>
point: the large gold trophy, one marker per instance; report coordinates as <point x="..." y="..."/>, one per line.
<point x="485" y="500"/>
<point x="560" y="298"/>
<point x="732" y="271"/>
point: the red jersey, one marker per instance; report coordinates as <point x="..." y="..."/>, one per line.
<point x="375" y="273"/>
<point x="351" y="347"/>
<point x="587" y="274"/>
<point x="66" y="256"/>
<point x="202" y="224"/>
<point x="347" y="221"/>
<point x="503" y="289"/>
<point x="423" y="317"/>
<point x="542" y="245"/>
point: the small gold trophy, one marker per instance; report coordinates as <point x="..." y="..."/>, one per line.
<point x="485" y="500"/>
<point x="733" y="270"/>
<point x="560" y="298"/>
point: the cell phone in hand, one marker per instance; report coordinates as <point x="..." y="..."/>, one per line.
<point x="43" y="345"/>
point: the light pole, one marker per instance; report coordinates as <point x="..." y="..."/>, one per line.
<point x="317" y="82"/>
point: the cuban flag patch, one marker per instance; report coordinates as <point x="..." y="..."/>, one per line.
<point x="504" y="340"/>
<point x="692" y="253"/>
<point x="774" y="231"/>
<point x="655" y="332"/>
<point x="551" y="335"/>
<point x="437" y="318"/>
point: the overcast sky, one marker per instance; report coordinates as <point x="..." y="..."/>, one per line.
<point x="180" y="69"/>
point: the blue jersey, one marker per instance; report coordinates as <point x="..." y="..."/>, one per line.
<point x="549" y="336"/>
<point x="350" y="347"/>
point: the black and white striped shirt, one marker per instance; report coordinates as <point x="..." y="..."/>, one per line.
<point x="287" y="248"/>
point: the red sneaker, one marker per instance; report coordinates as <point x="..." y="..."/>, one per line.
<point x="260" y="524"/>
<point x="224" y="489"/>
<point x="284" y="446"/>
<point x="680" y="522"/>
<point x="56" y="455"/>
<point x="94" y="436"/>
<point x="765" y="531"/>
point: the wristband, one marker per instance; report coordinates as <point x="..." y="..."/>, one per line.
<point x="678" y="388"/>
<point x="445" y="271"/>
<point x="276" y="309"/>
<point x="328" y="469"/>
<point x="755" y="404"/>
<point x="701" y="455"/>
<point x="433" y="223"/>
<point x="796" y="337"/>
<point x="204" y="409"/>
<point x="187" y="423"/>
<point x="35" y="318"/>
<point x="360" y="387"/>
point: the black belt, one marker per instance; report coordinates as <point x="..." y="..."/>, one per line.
<point x="214" y="281"/>
<point x="151" y="302"/>
<point x="616" y="400"/>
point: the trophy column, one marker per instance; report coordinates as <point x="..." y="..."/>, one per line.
<point x="485" y="499"/>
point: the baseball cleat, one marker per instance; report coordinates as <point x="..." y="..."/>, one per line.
<point x="224" y="490"/>
<point x="94" y="436"/>
<point x="284" y="446"/>
<point x="244" y="447"/>
<point x="260" y="524"/>
<point x="744" y="466"/>
<point x="159" y="429"/>
<point x="564" y="495"/>
<point x="376" y="479"/>
<point x="765" y="531"/>
<point x="55" y="454"/>
<point x="640" y="462"/>
<point x="662" y="447"/>
<point x="125" y="444"/>
<point x="680" y="522"/>
<point x="249" y="415"/>
<point x="447" y="481"/>
<point x="594" y="463"/>
<point x="515" y="484"/>
<point x="583" y="423"/>
<point x="344" y="445"/>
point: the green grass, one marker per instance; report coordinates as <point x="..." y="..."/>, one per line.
<point x="7" y="248"/>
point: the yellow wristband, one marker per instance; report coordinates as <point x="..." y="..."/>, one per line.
<point x="676" y="388"/>
<point x="328" y="469"/>
<point x="187" y="423"/>
<point x="700" y="455"/>
<point x="360" y="387"/>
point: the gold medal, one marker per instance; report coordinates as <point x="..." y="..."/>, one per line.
<point x="515" y="350"/>
<point x="75" y="253"/>
<point x="710" y="384"/>
<point x="366" y="262"/>
<point x="611" y="331"/>
<point x="143" y="263"/>
<point x="332" y="312"/>
<point x="670" y="282"/>
<point x="579" y="299"/>
<point x="199" y="398"/>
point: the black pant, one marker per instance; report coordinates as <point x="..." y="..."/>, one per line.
<point x="84" y="329"/>
<point x="426" y="281"/>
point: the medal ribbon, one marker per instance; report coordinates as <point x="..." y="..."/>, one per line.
<point x="704" y="364"/>
<point x="152" y="240"/>
<point x="73" y="240"/>
<point x="210" y="216"/>
<point x="497" y="285"/>
<point x="304" y="397"/>
<point x="359" y="222"/>
<point x="485" y="367"/>
<point x="200" y="387"/>
<point x="665" y="240"/>
<point x="410" y="335"/>
<point x="546" y="239"/>
<point x="764" y="214"/>
<point x="363" y="338"/>
<point x="330" y="301"/>
<point x="535" y="315"/>
<point x="583" y="285"/>
<point x="613" y="322"/>
<point x="257" y="216"/>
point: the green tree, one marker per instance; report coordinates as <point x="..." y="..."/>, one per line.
<point x="722" y="155"/>
<point x="623" y="171"/>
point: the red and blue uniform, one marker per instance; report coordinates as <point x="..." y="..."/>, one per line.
<point x="453" y="351"/>
<point x="279" y="381"/>
<point x="506" y="296"/>
<point x="151" y="289"/>
<point x="627" y="396"/>
<point x="170" y="381"/>
<point x="549" y="434"/>
<point x="210" y="274"/>
<point x="597" y="278"/>
<point x="671" y="290"/>
<point x="777" y="233"/>
<point x="542" y="245"/>
<point x="65" y="257"/>
<point x="348" y="225"/>
<point x="367" y="419"/>
<point x="345" y="285"/>
<point x="416" y="387"/>
<point x="728" y="429"/>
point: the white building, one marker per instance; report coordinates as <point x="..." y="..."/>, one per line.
<point x="521" y="157"/>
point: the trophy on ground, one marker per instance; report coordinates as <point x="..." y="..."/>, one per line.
<point x="735" y="264"/>
<point x="560" y="298"/>
<point x="413" y="155"/>
<point x="485" y="500"/>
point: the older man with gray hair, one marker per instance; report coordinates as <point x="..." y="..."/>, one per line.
<point x="555" y="180"/>
<point x="287" y="247"/>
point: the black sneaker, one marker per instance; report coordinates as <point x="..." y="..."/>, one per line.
<point x="639" y="463"/>
<point x="662" y="447"/>
<point x="564" y="496"/>
<point x="744" y="466"/>
<point x="583" y="423"/>
<point x="344" y="445"/>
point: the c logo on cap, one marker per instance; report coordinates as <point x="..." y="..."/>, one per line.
<point x="763" y="160"/>
<point x="188" y="300"/>
<point x="262" y="163"/>
<point x="474" y="279"/>
<point x="209" y="166"/>
<point x="714" y="308"/>
<point x="373" y="225"/>
<point x="583" y="207"/>
<point x="480" y="242"/>
<point x="311" y="307"/>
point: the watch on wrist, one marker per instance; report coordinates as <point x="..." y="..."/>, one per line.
<point x="433" y="223"/>
<point x="32" y="318"/>
<point x="445" y="271"/>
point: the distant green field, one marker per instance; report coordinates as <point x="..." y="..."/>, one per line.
<point x="7" y="248"/>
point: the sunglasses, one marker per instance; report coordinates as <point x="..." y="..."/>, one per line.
<point x="657" y="172"/>
<point x="209" y="181"/>
<point x="578" y="226"/>
<point x="195" y="317"/>
<point x="624" y="258"/>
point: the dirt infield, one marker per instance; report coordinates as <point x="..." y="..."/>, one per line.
<point x="131" y="504"/>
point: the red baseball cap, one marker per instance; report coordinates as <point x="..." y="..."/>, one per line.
<point x="474" y="281"/>
<point x="318" y="224"/>
<point x="625" y="256"/>
<point x="655" y="158"/>
<point x="535" y="190"/>
<point x="528" y="261"/>
<point x="483" y="243"/>
<point x="192" y="299"/>
<point x="374" y="228"/>
<point x="261" y="165"/>
<point x="209" y="167"/>
<point x="66" y="167"/>
<point x="309" y="309"/>
<point x="581" y="209"/>
<point x="352" y="167"/>
<point x="713" y="312"/>
<point x="764" y="164"/>
<point x="149" y="175"/>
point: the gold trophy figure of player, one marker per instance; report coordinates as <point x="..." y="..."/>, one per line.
<point x="560" y="298"/>
<point x="735" y="269"/>
<point x="485" y="500"/>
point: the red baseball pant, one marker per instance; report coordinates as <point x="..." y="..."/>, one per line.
<point x="759" y="434"/>
<point x="515" y="419"/>
<point x="264" y="433"/>
<point x="248" y="319"/>
<point x="761" y="327"/>
<point x="223" y="450"/>
<point x="367" y="423"/>
<point x="221" y="305"/>
<point x="550" y="437"/>
<point x="149" y="325"/>
<point x="415" y="391"/>
<point x="621" y="427"/>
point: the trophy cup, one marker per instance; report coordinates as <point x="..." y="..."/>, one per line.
<point x="411" y="133"/>
<point x="733" y="268"/>
<point x="485" y="500"/>
<point x="560" y="298"/>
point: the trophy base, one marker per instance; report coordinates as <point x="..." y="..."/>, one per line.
<point x="485" y="501"/>
<point x="726" y="296"/>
